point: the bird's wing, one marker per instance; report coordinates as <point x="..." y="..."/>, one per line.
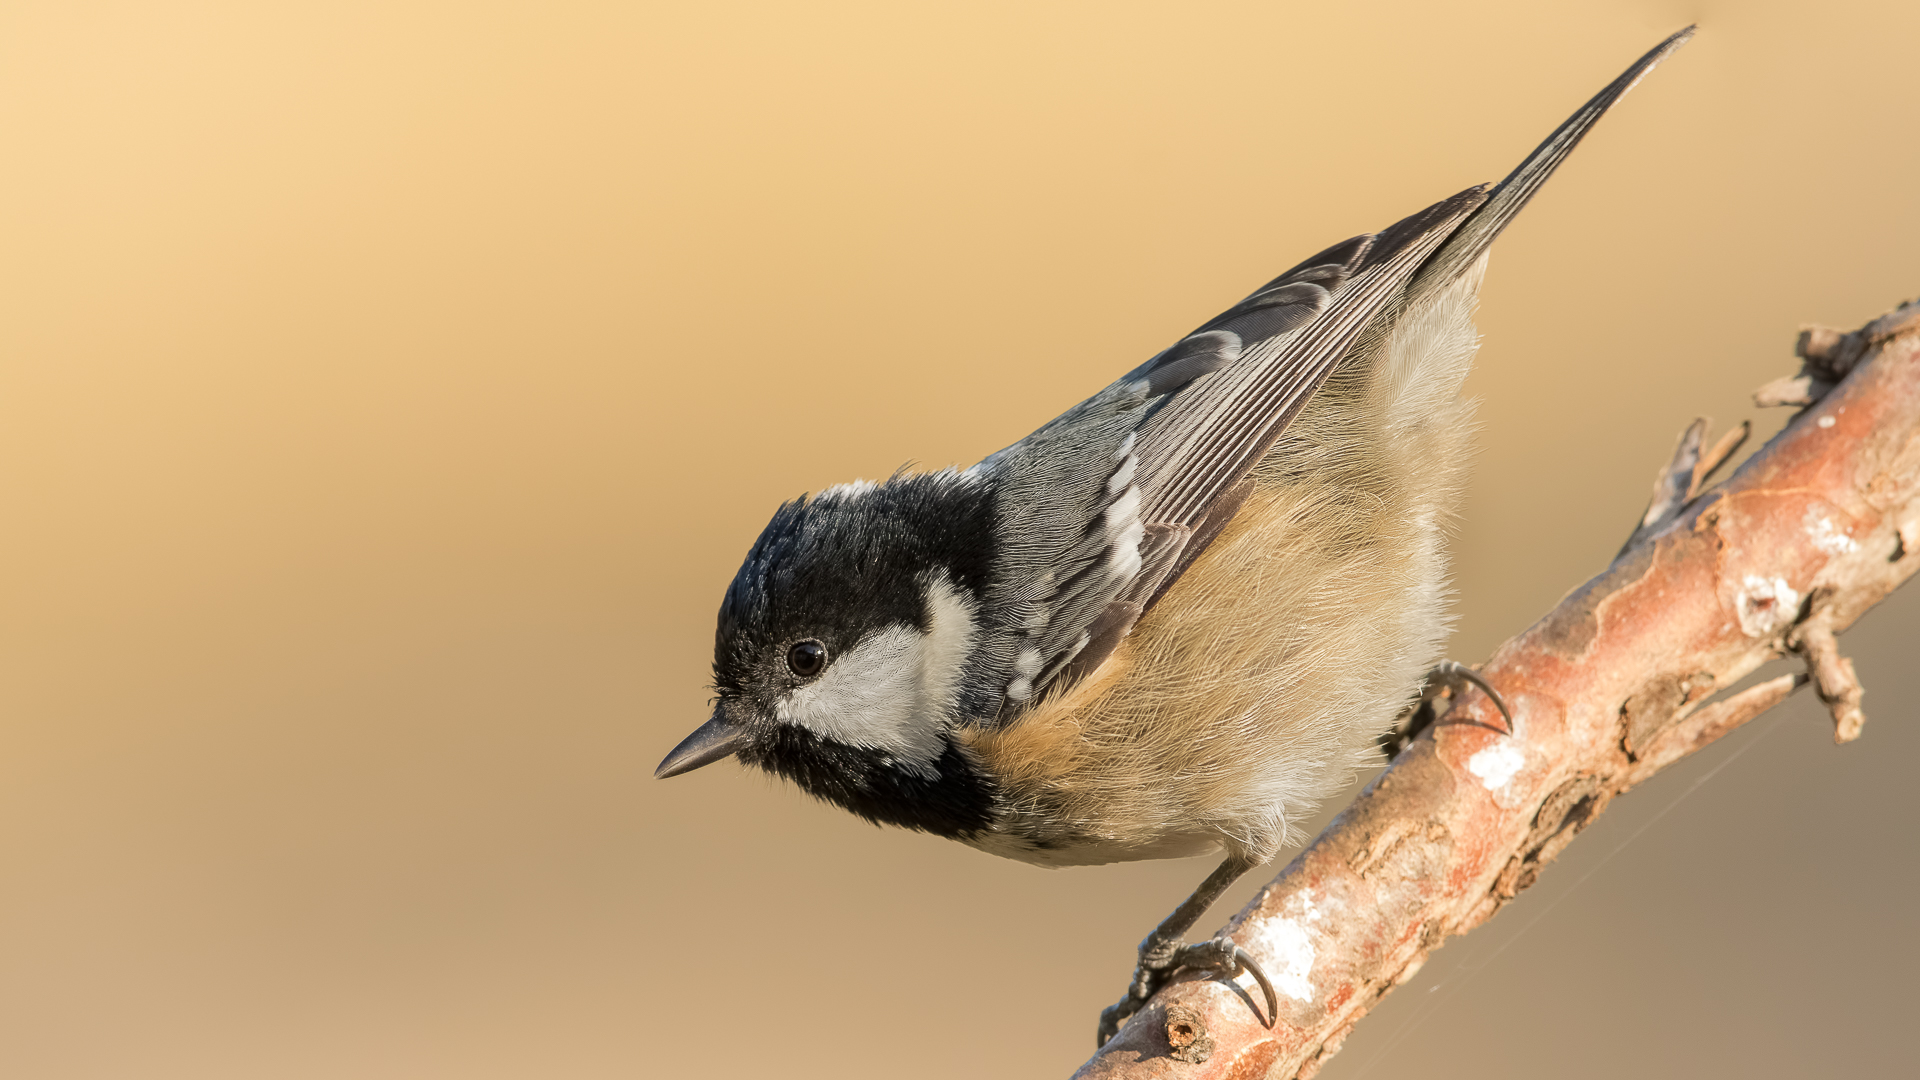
<point x="1102" y="506"/>
<point x="1110" y="503"/>
<point x="1266" y="356"/>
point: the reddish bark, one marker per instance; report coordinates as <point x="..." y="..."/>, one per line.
<point x="1608" y="688"/>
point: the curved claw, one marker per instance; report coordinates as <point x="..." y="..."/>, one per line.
<point x="1455" y="670"/>
<point x="1220" y="955"/>
<point x="1112" y="1017"/>
<point x="1245" y="961"/>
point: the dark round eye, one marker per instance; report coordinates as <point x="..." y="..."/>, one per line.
<point x="806" y="658"/>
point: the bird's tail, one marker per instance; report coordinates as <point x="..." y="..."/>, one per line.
<point x="1477" y="233"/>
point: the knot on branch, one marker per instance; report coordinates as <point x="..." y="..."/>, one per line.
<point x="1187" y="1034"/>
<point x="1569" y="809"/>
<point x="1644" y="716"/>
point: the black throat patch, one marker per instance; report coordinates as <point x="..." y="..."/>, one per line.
<point x="956" y="803"/>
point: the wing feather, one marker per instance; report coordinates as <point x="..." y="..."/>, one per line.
<point x="1206" y="438"/>
<point x="1083" y="593"/>
<point x="1106" y="506"/>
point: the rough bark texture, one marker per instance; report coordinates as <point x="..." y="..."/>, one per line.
<point x="1610" y="687"/>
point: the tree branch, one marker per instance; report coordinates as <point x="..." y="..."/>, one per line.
<point x="1610" y="687"/>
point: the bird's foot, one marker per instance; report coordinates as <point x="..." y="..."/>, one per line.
<point x="1447" y="678"/>
<point x="1158" y="963"/>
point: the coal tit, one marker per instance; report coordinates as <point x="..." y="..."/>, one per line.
<point x="1168" y="622"/>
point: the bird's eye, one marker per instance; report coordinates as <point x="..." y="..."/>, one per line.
<point x="806" y="659"/>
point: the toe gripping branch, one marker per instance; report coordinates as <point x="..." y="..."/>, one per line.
<point x="1157" y="965"/>
<point x="1447" y="677"/>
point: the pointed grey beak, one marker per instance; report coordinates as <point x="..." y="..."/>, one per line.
<point x="710" y="742"/>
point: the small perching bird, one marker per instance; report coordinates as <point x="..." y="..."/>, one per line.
<point x="1168" y="622"/>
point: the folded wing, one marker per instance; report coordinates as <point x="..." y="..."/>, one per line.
<point x="1108" y="504"/>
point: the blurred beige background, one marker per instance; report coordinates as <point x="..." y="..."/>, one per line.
<point x="387" y="391"/>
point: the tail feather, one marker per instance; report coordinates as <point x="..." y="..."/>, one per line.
<point x="1477" y="233"/>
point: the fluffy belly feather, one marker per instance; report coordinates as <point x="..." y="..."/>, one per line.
<point x="1255" y="688"/>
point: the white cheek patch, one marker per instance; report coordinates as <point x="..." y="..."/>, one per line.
<point x="896" y="688"/>
<point x="945" y="648"/>
<point x="866" y="696"/>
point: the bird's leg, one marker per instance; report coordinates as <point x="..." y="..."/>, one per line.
<point x="1447" y="677"/>
<point x="1162" y="953"/>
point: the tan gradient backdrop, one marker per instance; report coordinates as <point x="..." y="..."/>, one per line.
<point x="390" y="388"/>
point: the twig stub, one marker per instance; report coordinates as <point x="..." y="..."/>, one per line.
<point x="1833" y="676"/>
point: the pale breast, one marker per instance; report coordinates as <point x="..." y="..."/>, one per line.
<point x="1257" y="685"/>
